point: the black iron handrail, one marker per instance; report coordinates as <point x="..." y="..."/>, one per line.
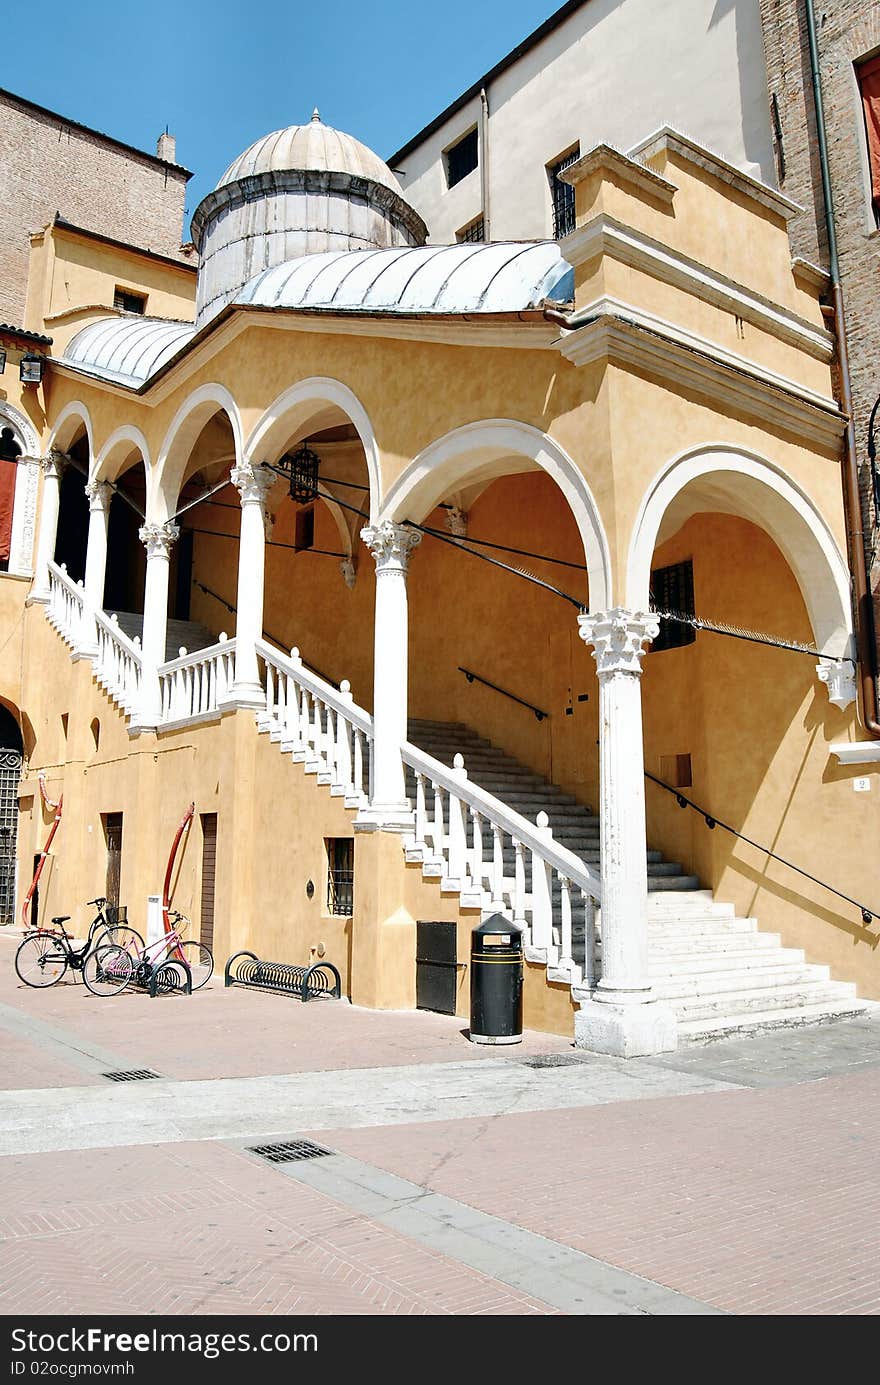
<point x="477" y="678"/>
<point x="868" y="915"/>
<point x="284" y="649"/>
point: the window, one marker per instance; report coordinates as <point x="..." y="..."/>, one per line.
<point x="340" y="876"/>
<point x="676" y="770"/>
<point x="209" y="874"/>
<point x="672" y="589"/>
<point x="304" y="529"/>
<point x="868" y="76"/>
<point x="562" y="194"/>
<point x="113" y="837"/>
<point x="462" y="158"/>
<point x="472" y="234"/>
<point x="128" y="302"/>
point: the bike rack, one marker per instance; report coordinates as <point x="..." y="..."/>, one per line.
<point x="161" y="978"/>
<point x="309" y="983"/>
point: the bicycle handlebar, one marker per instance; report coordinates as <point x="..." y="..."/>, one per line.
<point x="100" y="901"/>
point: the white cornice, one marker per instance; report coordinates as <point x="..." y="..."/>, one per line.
<point x="605" y="235"/>
<point x="812" y="274"/>
<point x="645" y="181"/>
<point x="857" y="752"/>
<point x="616" y="331"/>
<point x="673" y="140"/>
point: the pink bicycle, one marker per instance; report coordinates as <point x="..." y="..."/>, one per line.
<point x="171" y="963"/>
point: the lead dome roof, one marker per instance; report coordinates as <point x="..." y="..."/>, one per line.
<point x="316" y="147"/>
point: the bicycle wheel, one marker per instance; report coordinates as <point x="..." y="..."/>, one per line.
<point x="120" y="935"/>
<point x="108" y="970"/>
<point x="198" y="958"/>
<point x="41" y="960"/>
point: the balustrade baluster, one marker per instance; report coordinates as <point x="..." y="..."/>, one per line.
<point x="519" y="888"/>
<point x="457" y="829"/>
<point x="476" y="866"/>
<point x="438" y="834"/>
<point x="421" y="812"/>
<point x="342" y="782"/>
<point x="542" y="895"/>
<point x="565" y="918"/>
<point x="497" y="867"/>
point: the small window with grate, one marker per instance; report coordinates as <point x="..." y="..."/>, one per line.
<point x="672" y="589"/>
<point x="128" y="302"/>
<point x="462" y="157"/>
<point x="562" y="194"/>
<point x="472" y="234"/>
<point x="304" y="529"/>
<point x="340" y="876"/>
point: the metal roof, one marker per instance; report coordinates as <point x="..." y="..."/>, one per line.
<point x="315" y="146"/>
<point x="502" y="277"/>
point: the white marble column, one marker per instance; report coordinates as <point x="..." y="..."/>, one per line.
<point x="621" y="1016"/>
<point x="158" y="540"/>
<point x="253" y="484"/>
<point x="54" y="466"/>
<point x="99" y="494"/>
<point x="391" y="546"/>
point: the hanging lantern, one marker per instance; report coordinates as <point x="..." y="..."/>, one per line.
<point x="2" y="359"/>
<point x="31" y="367"/>
<point x="301" y="469"/>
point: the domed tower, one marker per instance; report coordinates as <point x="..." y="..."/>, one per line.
<point x="298" y="191"/>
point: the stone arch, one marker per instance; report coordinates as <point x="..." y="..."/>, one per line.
<point x="111" y="461"/>
<point x="482" y="451"/>
<point x="296" y="408"/>
<point x="731" y="481"/>
<point x="73" y="416"/>
<point x="26" y="433"/>
<point x="180" y="438"/>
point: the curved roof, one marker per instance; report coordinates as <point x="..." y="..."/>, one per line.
<point x="127" y="350"/>
<point x="316" y="147"/>
<point x="502" y="277"/>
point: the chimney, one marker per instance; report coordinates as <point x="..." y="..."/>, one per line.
<point x="166" y="148"/>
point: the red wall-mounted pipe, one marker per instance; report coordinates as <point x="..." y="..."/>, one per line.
<point x="45" y="852"/>
<point x="166" y="889"/>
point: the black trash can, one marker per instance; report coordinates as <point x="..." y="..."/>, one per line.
<point x="496" y="982"/>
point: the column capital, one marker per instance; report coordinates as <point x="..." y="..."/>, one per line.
<point x="158" y="539"/>
<point x="253" y="483"/>
<point x="55" y="464"/>
<point x="98" y="494"/>
<point x="390" y="544"/>
<point x="839" y="677"/>
<point x="618" y="638"/>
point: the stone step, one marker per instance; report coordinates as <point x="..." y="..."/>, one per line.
<point x="766" y="972"/>
<point x="663" y="967"/>
<point x="720" y="1026"/>
<point x="695" y="931"/>
<point x="713" y="945"/>
<point x="755" y="999"/>
<point x="679" y="883"/>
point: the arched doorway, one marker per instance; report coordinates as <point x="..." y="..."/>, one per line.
<point x="11" y="749"/>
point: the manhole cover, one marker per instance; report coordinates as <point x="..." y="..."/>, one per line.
<point x="132" y="1075"/>
<point x="290" y="1152"/>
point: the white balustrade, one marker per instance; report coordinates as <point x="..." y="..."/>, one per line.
<point x="65" y="606"/>
<point x="117" y="664"/>
<point x="194" y="685"/>
<point x="317" y="724"/>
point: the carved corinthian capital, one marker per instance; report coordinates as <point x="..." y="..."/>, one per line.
<point x="253" y="483"/>
<point x="54" y="464"/>
<point x="158" y="539"/>
<point x="98" y="494"/>
<point x="618" y="638"/>
<point x="390" y="544"/>
<point x="839" y="678"/>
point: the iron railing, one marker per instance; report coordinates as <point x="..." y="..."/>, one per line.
<point x="478" y="678"/>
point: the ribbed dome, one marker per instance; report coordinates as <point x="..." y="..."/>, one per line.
<point x="316" y="147"/>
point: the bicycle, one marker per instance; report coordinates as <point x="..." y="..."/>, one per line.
<point x="161" y="967"/>
<point x="197" y="955"/>
<point x="44" y="957"/>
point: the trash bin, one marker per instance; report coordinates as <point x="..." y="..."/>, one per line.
<point x="496" y="982"/>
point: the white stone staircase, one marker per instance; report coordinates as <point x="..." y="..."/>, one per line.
<point x="717" y="972"/>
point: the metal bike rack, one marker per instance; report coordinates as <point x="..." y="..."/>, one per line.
<point x="309" y="983"/>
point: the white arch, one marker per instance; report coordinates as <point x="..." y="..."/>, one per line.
<point x="274" y="428"/>
<point x="126" y="434"/>
<point x="179" y="440"/>
<point x="20" y="424"/>
<point x="480" y="450"/>
<point x="63" y="431"/>
<point x="745" y="484"/>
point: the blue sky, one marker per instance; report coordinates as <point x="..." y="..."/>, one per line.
<point x="222" y="73"/>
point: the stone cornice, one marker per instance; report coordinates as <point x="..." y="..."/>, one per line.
<point x="605" y="235"/>
<point x="676" y="143"/>
<point x="611" y="330"/>
<point x="645" y="182"/>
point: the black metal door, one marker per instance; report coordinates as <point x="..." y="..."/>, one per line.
<point x="10" y="773"/>
<point x="436" y="967"/>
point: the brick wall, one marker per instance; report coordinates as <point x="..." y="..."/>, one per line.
<point x="49" y="166"/>
<point x="848" y="30"/>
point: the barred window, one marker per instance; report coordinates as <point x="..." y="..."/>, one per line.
<point x="128" y="302"/>
<point x="562" y="194"/>
<point x="473" y="233"/>
<point x="340" y="876"/>
<point x="462" y="158"/>
<point x="672" y="589"/>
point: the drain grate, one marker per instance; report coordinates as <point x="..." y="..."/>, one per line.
<point x="552" y="1060"/>
<point x="290" y="1152"/>
<point x="131" y="1075"/>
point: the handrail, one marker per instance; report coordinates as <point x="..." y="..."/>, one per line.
<point x="224" y="645"/>
<point x="478" y="678"/>
<point x="316" y="685"/>
<point x="508" y="819"/>
<point x="116" y="632"/>
<point x="65" y="579"/>
<point x="267" y="635"/>
<point x="868" y="915"/>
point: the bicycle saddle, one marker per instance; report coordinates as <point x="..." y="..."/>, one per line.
<point x="62" y="918"/>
